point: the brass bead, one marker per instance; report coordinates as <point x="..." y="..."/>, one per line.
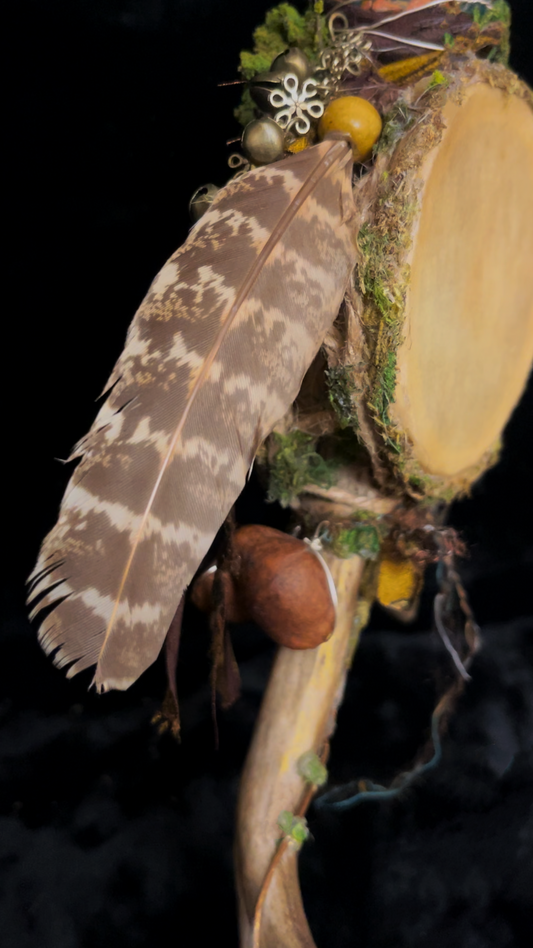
<point x="202" y="200"/>
<point x="261" y="88"/>
<point x="358" y="118"/>
<point x="263" y="141"/>
<point x="292" y="60"/>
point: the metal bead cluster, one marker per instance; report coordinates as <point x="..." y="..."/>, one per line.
<point x="296" y="105"/>
<point x="347" y="52"/>
<point x="300" y="100"/>
<point x="287" y="95"/>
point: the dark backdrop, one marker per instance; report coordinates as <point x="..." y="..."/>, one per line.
<point x="109" y="834"/>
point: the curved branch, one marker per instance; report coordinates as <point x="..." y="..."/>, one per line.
<point x="297" y="715"/>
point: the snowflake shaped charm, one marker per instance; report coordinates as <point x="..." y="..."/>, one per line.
<point x="296" y="104"/>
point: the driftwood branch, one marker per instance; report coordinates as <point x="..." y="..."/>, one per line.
<point x="297" y="715"/>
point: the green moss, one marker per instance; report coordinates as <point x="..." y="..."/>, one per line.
<point x="395" y="124"/>
<point x="384" y="388"/>
<point x="348" y="449"/>
<point x="383" y="279"/>
<point x="362" y="536"/>
<point x="294" y="827"/>
<point x="295" y="464"/>
<point x="362" y="539"/>
<point x="245" y="111"/>
<point x="284" y="26"/>
<point x="341" y="393"/>
<point x="432" y="487"/>
<point x="500" y="12"/>
<point x="437" y="79"/>
<point x="427" y="485"/>
<point x="421" y="484"/>
<point x="384" y="299"/>
<point x="311" y="768"/>
<point x="373" y="273"/>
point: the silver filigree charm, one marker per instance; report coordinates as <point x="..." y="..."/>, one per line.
<point x="346" y="54"/>
<point x="296" y="104"/>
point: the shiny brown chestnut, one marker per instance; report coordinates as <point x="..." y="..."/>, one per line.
<point x="278" y="582"/>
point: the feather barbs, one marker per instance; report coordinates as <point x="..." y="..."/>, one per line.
<point x="214" y="357"/>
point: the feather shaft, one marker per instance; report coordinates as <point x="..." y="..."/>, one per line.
<point x="214" y="357"/>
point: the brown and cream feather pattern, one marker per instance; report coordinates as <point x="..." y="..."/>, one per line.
<point x="213" y="358"/>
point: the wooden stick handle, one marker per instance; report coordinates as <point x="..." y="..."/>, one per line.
<point x="297" y="715"/>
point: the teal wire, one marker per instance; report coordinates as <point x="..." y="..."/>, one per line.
<point x="382" y="793"/>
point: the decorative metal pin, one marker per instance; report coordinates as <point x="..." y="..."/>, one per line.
<point x="296" y="104"/>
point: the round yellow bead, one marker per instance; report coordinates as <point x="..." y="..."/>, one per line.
<point x="357" y="118"/>
<point x="397" y="582"/>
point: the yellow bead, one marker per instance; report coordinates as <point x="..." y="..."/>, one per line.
<point x="357" y="118"/>
<point x="299" y="144"/>
<point x="397" y="582"/>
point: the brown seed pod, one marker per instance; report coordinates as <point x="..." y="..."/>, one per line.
<point x="201" y="595"/>
<point x="279" y="583"/>
<point x="283" y="586"/>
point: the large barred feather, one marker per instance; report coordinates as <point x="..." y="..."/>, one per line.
<point x="214" y="357"/>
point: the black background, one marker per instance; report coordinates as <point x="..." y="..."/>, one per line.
<point x="109" y="834"/>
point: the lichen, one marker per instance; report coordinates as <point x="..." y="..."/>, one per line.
<point x="294" y="464"/>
